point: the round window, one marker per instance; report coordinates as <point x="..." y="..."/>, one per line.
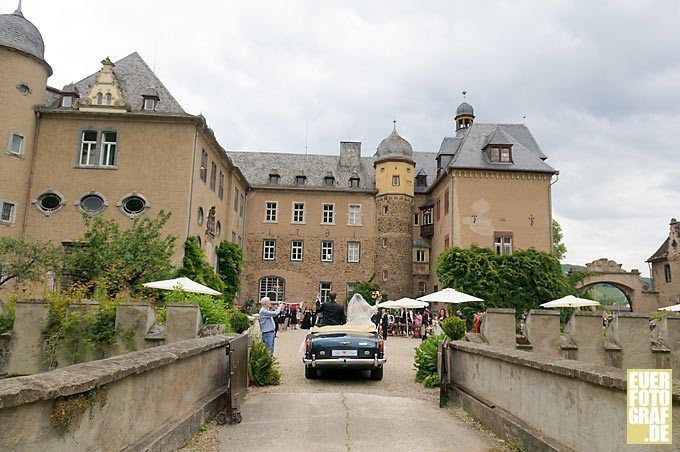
<point x="92" y="203"/>
<point x="134" y="205"/>
<point x="49" y="202"/>
<point x="23" y="89"/>
<point x="218" y="229"/>
<point x="200" y="216"/>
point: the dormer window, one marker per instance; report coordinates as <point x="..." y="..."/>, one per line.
<point x="354" y="182"/>
<point x="500" y="154"/>
<point x="421" y="180"/>
<point x="107" y="99"/>
<point x="329" y="181"/>
<point x="67" y="101"/>
<point x="300" y="181"/>
<point x="274" y="179"/>
<point x="100" y="98"/>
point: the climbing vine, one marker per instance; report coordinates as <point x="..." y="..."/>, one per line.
<point x="67" y="411"/>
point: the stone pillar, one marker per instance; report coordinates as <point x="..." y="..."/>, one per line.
<point x="542" y="329"/>
<point x="585" y="330"/>
<point x="26" y="350"/>
<point x="182" y="321"/>
<point x="133" y="322"/>
<point x="498" y="327"/>
<point x="630" y="331"/>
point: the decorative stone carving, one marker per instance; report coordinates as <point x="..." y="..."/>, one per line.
<point x="105" y="93"/>
<point x="604" y="265"/>
<point x="210" y="224"/>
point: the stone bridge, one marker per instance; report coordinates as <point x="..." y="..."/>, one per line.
<point x="605" y="271"/>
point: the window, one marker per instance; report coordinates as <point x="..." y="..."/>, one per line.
<point x="108" y="157"/>
<point x="243" y="205"/>
<point x="204" y="166"/>
<point x="213" y="175"/>
<point x="325" y="291"/>
<point x="92" y="203"/>
<point x="271" y="211"/>
<point x="200" y="216"/>
<point x="446" y="202"/>
<point x="420" y="256"/>
<point x="269" y="249"/>
<point x="422" y="288"/>
<point x="354" y="182"/>
<point x="273" y="179"/>
<point x="300" y="181"/>
<point x="8" y="212"/>
<point x="447" y="243"/>
<point x="385" y="275"/>
<point x="133" y="205"/>
<point x="272" y="287"/>
<point x="149" y="104"/>
<point x="67" y="101"/>
<point x="500" y="154"/>
<point x="503" y="243"/>
<point x="384" y="243"/>
<point x="351" y="288"/>
<point x="49" y="202"/>
<point x="667" y="272"/>
<point x="354" y="214"/>
<point x="236" y="198"/>
<point x="427" y="217"/>
<point x="220" y="188"/>
<point x="24" y="89"/>
<point x="328" y="215"/>
<point x="233" y="237"/>
<point x="353" y="251"/>
<point x="199" y="241"/>
<point x="107" y="99"/>
<point x="329" y="182"/>
<point x="88" y="148"/>
<point x="326" y="251"/>
<point x="421" y="180"/>
<point x="416" y="219"/>
<point x="99" y="98"/>
<point x="296" y="250"/>
<point x="437" y="210"/>
<point x="395" y="181"/>
<point x="385" y="209"/>
<point x="298" y="212"/>
<point x="218" y="230"/>
<point x="16" y="144"/>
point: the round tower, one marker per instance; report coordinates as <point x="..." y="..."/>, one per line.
<point x="24" y="81"/>
<point x="394" y="176"/>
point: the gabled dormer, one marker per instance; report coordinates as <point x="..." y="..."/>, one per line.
<point x="69" y="96"/>
<point x="105" y="94"/>
<point x="498" y="147"/>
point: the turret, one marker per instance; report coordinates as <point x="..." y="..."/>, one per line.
<point x="465" y="115"/>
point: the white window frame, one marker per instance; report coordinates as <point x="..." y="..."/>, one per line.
<point x="427" y="217"/>
<point x="67" y="101"/>
<point x="10" y="146"/>
<point x="12" y="213"/>
<point x="384" y="242"/>
<point x="91" y="149"/>
<point x="294" y="211"/>
<point x="327" y="250"/>
<point x="149" y="102"/>
<point x="503" y="244"/>
<point x="271" y="212"/>
<point x="331" y="213"/>
<point x="325" y="291"/>
<point x="354" y="218"/>
<point x="421" y="256"/>
<point x="108" y="148"/>
<point x="267" y="284"/>
<point x="353" y="255"/>
<point x="385" y="275"/>
<point x="297" y="248"/>
<point x="269" y="249"/>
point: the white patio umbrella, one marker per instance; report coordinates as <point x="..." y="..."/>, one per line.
<point x="449" y="295"/>
<point x="674" y="308"/>
<point x="185" y="284"/>
<point x="570" y="301"/>
<point x="405" y="302"/>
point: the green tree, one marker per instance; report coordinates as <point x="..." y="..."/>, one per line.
<point x="522" y="280"/>
<point x="125" y="258"/>
<point x="230" y="264"/>
<point x="196" y="267"/>
<point x="28" y="261"/>
<point x="366" y="289"/>
<point x="559" y="250"/>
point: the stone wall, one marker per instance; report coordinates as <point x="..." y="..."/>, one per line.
<point x="394" y="230"/>
<point x="154" y="399"/>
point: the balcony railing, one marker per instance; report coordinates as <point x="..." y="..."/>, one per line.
<point x="427" y="230"/>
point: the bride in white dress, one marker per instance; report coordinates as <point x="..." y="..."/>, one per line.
<point x="359" y="312"/>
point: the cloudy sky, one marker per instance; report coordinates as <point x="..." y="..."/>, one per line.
<point x="598" y="83"/>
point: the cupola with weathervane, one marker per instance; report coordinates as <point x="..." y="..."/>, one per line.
<point x="465" y="114"/>
<point x="105" y="94"/>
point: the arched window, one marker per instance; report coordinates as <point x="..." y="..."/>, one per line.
<point x="107" y="99"/>
<point x="99" y="98"/>
<point x="272" y="287"/>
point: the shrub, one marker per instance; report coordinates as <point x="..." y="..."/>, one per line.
<point x="263" y="369"/>
<point x="240" y="322"/>
<point x="7" y="317"/>
<point x="454" y="327"/>
<point x="425" y="361"/>
<point x="213" y="310"/>
<point x="432" y="381"/>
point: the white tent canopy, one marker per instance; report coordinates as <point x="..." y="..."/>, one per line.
<point x="674" y="308"/>
<point x="403" y="303"/>
<point x="570" y="301"/>
<point x="185" y="284"/>
<point x="449" y="295"/>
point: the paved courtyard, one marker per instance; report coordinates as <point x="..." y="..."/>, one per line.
<point x="344" y="411"/>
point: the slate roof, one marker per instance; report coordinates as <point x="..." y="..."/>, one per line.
<point x="394" y="146"/>
<point x="426" y="163"/>
<point x="136" y="79"/>
<point x="465" y="109"/>
<point x="467" y="148"/>
<point x="18" y="33"/>
<point x="661" y="253"/>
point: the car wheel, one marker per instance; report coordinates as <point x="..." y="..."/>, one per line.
<point x="310" y="373"/>
<point x="377" y="374"/>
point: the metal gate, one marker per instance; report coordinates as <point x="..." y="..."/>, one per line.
<point x="237" y="350"/>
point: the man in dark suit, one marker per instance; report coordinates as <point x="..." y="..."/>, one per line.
<point x="332" y="313"/>
<point x="385" y="323"/>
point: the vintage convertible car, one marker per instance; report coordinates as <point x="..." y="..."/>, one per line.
<point x="344" y="347"/>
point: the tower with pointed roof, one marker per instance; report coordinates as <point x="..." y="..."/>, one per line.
<point x="24" y="81"/>
<point x="394" y="202"/>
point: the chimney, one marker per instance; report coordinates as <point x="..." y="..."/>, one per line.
<point x="350" y="154"/>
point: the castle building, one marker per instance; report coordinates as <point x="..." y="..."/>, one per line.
<point x="665" y="267"/>
<point x="118" y="144"/>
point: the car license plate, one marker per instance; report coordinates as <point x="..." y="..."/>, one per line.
<point x="342" y="353"/>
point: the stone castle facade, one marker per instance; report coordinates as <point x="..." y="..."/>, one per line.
<point x="118" y="144"/>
